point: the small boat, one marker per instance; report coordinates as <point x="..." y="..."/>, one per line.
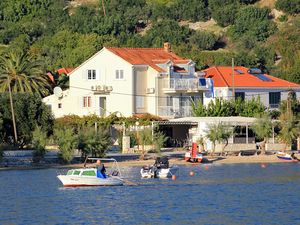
<point x="188" y="157"/>
<point x="287" y="157"/>
<point x="160" y="169"/>
<point x="88" y="176"/>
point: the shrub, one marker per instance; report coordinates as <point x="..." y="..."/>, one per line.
<point x="67" y="141"/>
<point x="203" y="40"/>
<point x="159" y="140"/>
<point x="39" y="141"/>
<point x="94" y="143"/>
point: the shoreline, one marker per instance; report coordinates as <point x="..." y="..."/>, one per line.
<point x="225" y="160"/>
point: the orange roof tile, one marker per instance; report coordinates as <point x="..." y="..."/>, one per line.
<point x="222" y="77"/>
<point x="65" y="70"/>
<point x="147" y="56"/>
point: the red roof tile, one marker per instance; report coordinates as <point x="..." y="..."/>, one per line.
<point x="222" y="76"/>
<point x="65" y="70"/>
<point x="147" y="56"/>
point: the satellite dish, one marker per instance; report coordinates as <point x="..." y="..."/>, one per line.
<point x="58" y="92"/>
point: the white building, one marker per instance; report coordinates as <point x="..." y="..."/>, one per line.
<point x="131" y="81"/>
<point x="248" y="83"/>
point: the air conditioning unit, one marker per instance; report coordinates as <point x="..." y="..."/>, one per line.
<point x="150" y="90"/>
<point x="99" y="87"/>
<point x="93" y="88"/>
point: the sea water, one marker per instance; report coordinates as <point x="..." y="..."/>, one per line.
<point x="215" y="194"/>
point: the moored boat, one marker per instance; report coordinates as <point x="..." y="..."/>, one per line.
<point x="287" y="157"/>
<point x="160" y="169"/>
<point x="90" y="176"/>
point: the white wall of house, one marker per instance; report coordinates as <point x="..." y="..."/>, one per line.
<point x="128" y="96"/>
<point x="151" y="96"/>
<point x="105" y="63"/>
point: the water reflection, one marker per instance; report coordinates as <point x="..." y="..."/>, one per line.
<point x="227" y="194"/>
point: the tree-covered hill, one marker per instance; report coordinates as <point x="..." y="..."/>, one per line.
<point x="65" y="33"/>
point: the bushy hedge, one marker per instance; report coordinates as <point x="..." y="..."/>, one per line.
<point x="221" y="107"/>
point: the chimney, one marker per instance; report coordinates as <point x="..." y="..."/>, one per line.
<point x="167" y="47"/>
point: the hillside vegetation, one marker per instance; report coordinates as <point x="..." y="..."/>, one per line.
<point x="211" y="32"/>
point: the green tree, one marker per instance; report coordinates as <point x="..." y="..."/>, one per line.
<point x="263" y="129"/>
<point x="23" y="73"/>
<point x="95" y="143"/>
<point x="218" y="133"/>
<point x="254" y="22"/>
<point x="39" y="142"/>
<point x="166" y="30"/>
<point x="289" y="6"/>
<point x="159" y="140"/>
<point x="67" y="142"/>
<point x="224" y="11"/>
<point x="30" y="112"/>
<point x="213" y="135"/>
<point x="203" y="40"/>
<point x="145" y="137"/>
<point x="289" y="131"/>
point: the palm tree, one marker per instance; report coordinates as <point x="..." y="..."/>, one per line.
<point x="263" y="129"/>
<point x="289" y="132"/>
<point x="22" y="73"/>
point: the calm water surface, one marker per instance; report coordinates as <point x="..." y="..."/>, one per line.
<point x="223" y="194"/>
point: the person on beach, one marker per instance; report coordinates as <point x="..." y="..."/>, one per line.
<point x="100" y="169"/>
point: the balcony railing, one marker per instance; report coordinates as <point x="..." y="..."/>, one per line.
<point x="170" y="111"/>
<point x="174" y="85"/>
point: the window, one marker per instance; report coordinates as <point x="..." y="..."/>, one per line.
<point x="89" y="173"/>
<point x="169" y="101"/>
<point x="119" y="74"/>
<point x="240" y="95"/>
<point x="76" y="172"/>
<point x="140" y="101"/>
<point x="59" y="105"/>
<point x="274" y="99"/>
<point x="91" y="74"/>
<point x="87" y="101"/>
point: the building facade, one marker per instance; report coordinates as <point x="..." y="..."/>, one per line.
<point x="131" y="81"/>
<point x="246" y="83"/>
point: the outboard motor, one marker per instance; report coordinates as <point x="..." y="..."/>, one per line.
<point x="162" y="162"/>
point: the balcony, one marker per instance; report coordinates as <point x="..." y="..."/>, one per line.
<point x="186" y="85"/>
<point x="170" y="111"/>
<point x="101" y="89"/>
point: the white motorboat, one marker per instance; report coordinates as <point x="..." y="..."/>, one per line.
<point x="160" y="169"/>
<point x="287" y="157"/>
<point x="88" y="176"/>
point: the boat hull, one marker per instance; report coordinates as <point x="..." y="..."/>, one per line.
<point x="76" y="181"/>
<point x="160" y="173"/>
<point x="286" y="157"/>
